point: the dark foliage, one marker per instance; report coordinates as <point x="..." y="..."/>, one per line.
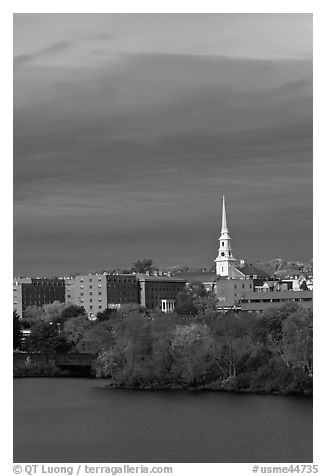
<point x="106" y="314"/>
<point x="45" y="337"/>
<point x="17" y="335"/>
<point x="71" y="311"/>
<point x="142" y="266"/>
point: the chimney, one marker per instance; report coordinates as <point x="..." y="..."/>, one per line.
<point x="242" y="263"/>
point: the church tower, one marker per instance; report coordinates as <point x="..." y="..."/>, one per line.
<point x="225" y="262"/>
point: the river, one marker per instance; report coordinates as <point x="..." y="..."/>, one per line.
<point x="66" y="420"/>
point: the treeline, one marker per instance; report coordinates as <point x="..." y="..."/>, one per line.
<point x="193" y="348"/>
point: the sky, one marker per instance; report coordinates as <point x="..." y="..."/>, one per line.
<point x="129" y="128"/>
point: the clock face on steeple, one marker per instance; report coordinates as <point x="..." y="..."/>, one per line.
<point x="222" y="254"/>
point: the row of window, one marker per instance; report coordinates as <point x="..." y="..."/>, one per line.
<point x="243" y="286"/>
<point x="276" y="300"/>
<point x="90" y="286"/>
<point x="91" y="293"/>
<point x="91" y="300"/>
<point x="90" y="279"/>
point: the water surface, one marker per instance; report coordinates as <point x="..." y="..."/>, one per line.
<point x="78" y="420"/>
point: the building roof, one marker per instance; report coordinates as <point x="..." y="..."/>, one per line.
<point x="146" y="277"/>
<point x="251" y="270"/>
<point x="199" y="276"/>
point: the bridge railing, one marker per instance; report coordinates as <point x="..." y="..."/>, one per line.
<point x="55" y="358"/>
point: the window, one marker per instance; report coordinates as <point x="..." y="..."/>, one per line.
<point x="82" y="294"/>
<point x="81" y="287"/>
<point x="90" y="286"/>
<point x="91" y="300"/>
<point x="100" y="307"/>
<point x="222" y="243"/>
<point x="100" y="293"/>
<point x="100" y="285"/>
<point x="90" y="293"/>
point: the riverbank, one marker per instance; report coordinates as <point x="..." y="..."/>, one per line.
<point x="215" y="387"/>
<point x="230" y="385"/>
<point x="23" y="370"/>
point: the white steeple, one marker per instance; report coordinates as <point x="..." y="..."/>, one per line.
<point x="224" y="229"/>
<point x="225" y="261"/>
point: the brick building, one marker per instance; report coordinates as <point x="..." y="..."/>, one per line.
<point x="155" y="289"/>
<point x="37" y="292"/>
<point x="122" y="289"/>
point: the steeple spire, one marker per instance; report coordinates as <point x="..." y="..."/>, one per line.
<point x="225" y="261"/>
<point x="224" y="228"/>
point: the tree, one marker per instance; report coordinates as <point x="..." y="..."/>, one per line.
<point x="53" y="311"/>
<point x="75" y="328"/>
<point x="197" y="289"/>
<point x="33" y="314"/>
<point x="106" y="314"/>
<point x="269" y="326"/>
<point x="192" y="354"/>
<point x="96" y="338"/>
<point x="185" y="303"/>
<point x="17" y="336"/>
<point x="130" y="309"/>
<point x="143" y="266"/>
<point x="297" y="340"/>
<point x="47" y="313"/>
<point x="72" y="311"/>
<point x="44" y="337"/>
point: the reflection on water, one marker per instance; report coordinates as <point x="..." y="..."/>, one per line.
<point x="78" y="420"/>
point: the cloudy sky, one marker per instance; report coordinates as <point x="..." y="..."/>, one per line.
<point x="128" y="128"/>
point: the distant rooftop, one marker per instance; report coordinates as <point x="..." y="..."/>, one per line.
<point x="150" y="277"/>
<point x="251" y="270"/>
<point x="199" y="276"/>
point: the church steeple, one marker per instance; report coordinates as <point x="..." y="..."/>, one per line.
<point x="224" y="228"/>
<point x="225" y="261"/>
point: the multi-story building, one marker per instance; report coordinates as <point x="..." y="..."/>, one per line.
<point x="159" y="291"/>
<point x="17" y="294"/>
<point x="70" y="290"/>
<point x="37" y="292"/>
<point x="242" y="294"/>
<point x="231" y="291"/>
<point x="96" y="292"/>
<point x="258" y="302"/>
<point x="122" y="289"/>
<point x="90" y="292"/>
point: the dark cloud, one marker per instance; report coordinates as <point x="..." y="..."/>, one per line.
<point x="131" y="159"/>
<point x="55" y="48"/>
